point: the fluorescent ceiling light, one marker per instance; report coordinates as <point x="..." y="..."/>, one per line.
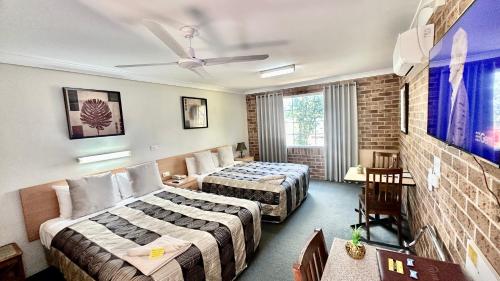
<point x="278" y="71"/>
<point x="103" y="157"/>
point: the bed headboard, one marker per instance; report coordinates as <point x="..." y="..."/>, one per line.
<point x="176" y="165"/>
<point x="39" y="202"/>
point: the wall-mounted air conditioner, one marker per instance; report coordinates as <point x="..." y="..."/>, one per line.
<point x="412" y="48"/>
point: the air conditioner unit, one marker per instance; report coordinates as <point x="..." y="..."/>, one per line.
<point x="412" y="48"/>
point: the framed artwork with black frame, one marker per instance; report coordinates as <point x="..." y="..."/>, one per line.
<point x="194" y="113"/>
<point x="93" y="113"/>
<point x="403" y="99"/>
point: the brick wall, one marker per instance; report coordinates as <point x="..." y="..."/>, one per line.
<point x="461" y="208"/>
<point x="312" y="156"/>
<point x="378" y="119"/>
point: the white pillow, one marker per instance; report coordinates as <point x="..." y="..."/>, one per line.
<point x="145" y="178"/>
<point x="116" y="190"/>
<point x="215" y="158"/>
<point x="64" y="200"/>
<point x="91" y="194"/>
<point x="226" y="157"/>
<point x="204" y="162"/>
<point x="191" y="166"/>
<point x="124" y="185"/>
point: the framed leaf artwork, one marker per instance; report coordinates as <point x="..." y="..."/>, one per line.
<point x="194" y="113"/>
<point x="93" y="113"/>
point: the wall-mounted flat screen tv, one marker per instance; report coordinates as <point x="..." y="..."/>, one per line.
<point x="464" y="83"/>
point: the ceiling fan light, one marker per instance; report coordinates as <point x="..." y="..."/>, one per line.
<point x="287" y="69"/>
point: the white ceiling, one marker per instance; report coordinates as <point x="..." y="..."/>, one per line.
<point x="324" y="38"/>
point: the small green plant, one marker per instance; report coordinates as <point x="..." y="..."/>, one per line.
<point x="356" y="236"/>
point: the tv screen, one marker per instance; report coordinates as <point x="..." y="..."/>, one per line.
<point x="464" y="83"/>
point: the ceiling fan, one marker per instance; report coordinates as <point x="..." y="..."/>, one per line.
<point x="187" y="57"/>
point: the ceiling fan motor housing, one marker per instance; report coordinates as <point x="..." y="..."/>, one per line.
<point x="190" y="63"/>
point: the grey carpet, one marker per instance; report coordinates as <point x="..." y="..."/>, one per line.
<point x="329" y="206"/>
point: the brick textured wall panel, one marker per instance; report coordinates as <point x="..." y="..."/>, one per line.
<point x="461" y="208"/>
<point x="378" y="119"/>
<point x="312" y="156"/>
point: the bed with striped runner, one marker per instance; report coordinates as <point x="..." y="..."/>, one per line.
<point x="242" y="181"/>
<point x="224" y="232"/>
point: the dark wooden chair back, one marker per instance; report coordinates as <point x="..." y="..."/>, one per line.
<point x="385" y="159"/>
<point x="383" y="190"/>
<point x="312" y="259"/>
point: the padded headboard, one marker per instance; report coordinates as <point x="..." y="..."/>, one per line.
<point x="40" y="204"/>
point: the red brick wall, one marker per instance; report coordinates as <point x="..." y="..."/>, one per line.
<point x="311" y="156"/>
<point x="461" y="208"/>
<point x="378" y="119"/>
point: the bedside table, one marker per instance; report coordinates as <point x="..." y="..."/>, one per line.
<point x="244" y="159"/>
<point x="187" y="183"/>
<point x="11" y="263"/>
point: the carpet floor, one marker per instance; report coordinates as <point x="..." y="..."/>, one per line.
<point x="329" y="206"/>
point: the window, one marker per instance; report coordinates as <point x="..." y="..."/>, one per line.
<point x="304" y="120"/>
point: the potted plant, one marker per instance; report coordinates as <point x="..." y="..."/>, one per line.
<point x="354" y="247"/>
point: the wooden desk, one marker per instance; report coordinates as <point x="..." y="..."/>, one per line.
<point x="353" y="176"/>
<point x="341" y="267"/>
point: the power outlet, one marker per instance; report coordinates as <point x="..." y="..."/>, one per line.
<point x="154" y="147"/>
<point x="165" y="174"/>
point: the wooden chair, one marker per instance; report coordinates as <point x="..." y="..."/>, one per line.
<point x="382" y="196"/>
<point x="385" y="159"/>
<point x="312" y="258"/>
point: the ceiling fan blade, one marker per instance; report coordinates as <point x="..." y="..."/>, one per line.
<point x="200" y="71"/>
<point x="144" y="64"/>
<point x="166" y="38"/>
<point x="205" y="24"/>
<point x="215" y="61"/>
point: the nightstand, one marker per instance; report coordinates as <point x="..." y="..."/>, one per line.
<point x="245" y="159"/>
<point x="11" y="263"/>
<point x="187" y="183"/>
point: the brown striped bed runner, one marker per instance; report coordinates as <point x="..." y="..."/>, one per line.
<point x="224" y="233"/>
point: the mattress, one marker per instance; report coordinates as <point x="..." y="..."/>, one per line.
<point x="242" y="181"/>
<point x="224" y="232"/>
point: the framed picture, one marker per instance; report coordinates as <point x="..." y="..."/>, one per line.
<point x="194" y="113"/>
<point x="93" y="113"/>
<point x="403" y="99"/>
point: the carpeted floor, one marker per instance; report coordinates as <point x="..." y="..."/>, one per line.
<point x="329" y="206"/>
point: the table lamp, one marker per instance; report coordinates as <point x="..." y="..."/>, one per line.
<point x="241" y="147"/>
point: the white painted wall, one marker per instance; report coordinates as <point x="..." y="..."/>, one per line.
<point x="35" y="148"/>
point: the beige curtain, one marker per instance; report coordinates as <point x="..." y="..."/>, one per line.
<point x="271" y="128"/>
<point x="341" y="130"/>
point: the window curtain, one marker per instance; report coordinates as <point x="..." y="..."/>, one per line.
<point x="271" y="128"/>
<point x="341" y="130"/>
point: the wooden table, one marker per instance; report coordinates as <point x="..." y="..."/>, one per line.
<point x="187" y="183"/>
<point x="352" y="175"/>
<point x="11" y="263"/>
<point x="244" y="159"/>
<point x="341" y="267"/>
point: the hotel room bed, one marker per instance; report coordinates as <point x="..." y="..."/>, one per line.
<point x="242" y="181"/>
<point x="224" y="233"/>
